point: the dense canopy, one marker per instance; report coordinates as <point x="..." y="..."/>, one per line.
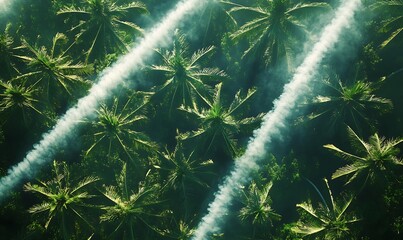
<point x="148" y="162"/>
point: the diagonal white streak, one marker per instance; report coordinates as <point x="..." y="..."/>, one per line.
<point x="4" y="4"/>
<point x="7" y="5"/>
<point x="109" y="80"/>
<point x="273" y="121"/>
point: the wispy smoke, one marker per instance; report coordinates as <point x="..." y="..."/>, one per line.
<point x="5" y="5"/>
<point x="273" y="122"/>
<point x="109" y="80"/>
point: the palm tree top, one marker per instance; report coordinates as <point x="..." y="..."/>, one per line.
<point x="129" y="207"/>
<point x="103" y="21"/>
<point x="354" y="104"/>
<point x="218" y="123"/>
<point x="17" y="95"/>
<point x="186" y="80"/>
<point x="275" y="25"/>
<point x="118" y="124"/>
<point x="376" y="155"/>
<point x="183" y="169"/>
<point x="257" y="205"/>
<point x="326" y="222"/>
<point x="180" y="63"/>
<point x="217" y="112"/>
<point x="60" y="194"/>
<point x="53" y="65"/>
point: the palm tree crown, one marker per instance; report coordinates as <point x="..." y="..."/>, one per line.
<point x="186" y="78"/>
<point x="354" y="104"/>
<point x="103" y="22"/>
<point x="129" y="208"/>
<point x="274" y="29"/>
<point x="257" y="205"/>
<point x="18" y="96"/>
<point x="374" y="158"/>
<point x="219" y="124"/>
<point x="324" y="222"/>
<point x="182" y="178"/>
<point x="52" y="69"/>
<point x="116" y="126"/>
<point x="182" y="171"/>
<point x="61" y="197"/>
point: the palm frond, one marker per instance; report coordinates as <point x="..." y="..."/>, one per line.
<point x="307" y="9"/>
<point x="306" y="230"/>
<point x="200" y="54"/>
<point x="38" y="208"/>
<point x="83" y="183"/>
<point x="391" y="37"/>
<point x="239" y="100"/>
<point x="343" y="154"/>
<point x="307" y="207"/>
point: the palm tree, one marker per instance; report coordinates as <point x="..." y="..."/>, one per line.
<point x="275" y="28"/>
<point x="183" y="176"/>
<point x="103" y="24"/>
<point x="355" y="105"/>
<point x="116" y="126"/>
<point x="62" y="198"/>
<point x="17" y="97"/>
<point x="257" y="210"/>
<point x="186" y="78"/>
<point x="324" y="222"/>
<point x="129" y="208"/>
<point x="375" y="158"/>
<point x="220" y="124"/>
<point x="55" y="71"/>
<point x="393" y="26"/>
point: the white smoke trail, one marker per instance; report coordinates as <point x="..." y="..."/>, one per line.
<point x="62" y="132"/>
<point x="274" y="121"/>
<point x="4" y="5"/>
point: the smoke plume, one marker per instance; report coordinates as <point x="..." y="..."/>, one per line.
<point x="109" y="80"/>
<point x="273" y="122"/>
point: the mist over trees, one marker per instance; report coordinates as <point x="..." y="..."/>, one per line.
<point x="149" y="162"/>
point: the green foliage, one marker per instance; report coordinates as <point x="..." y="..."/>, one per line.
<point x="161" y="145"/>
<point x="116" y="126"/>
<point x="218" y="124"/>
<point x="18" y="96"/>
<point x="186" y="79"/>
<point x="129" y="207"/>
<point x="61" y="197"/>
<point x="257" y="209"/>
<point x="183" y="172"/>
<point x="53" y="70"/>
<point x="274" y="28"/>
<point x="182" y="177"/>
<point x="324" y="222"/>
<point x="375" y="158"/>
<point x="355" y="105"/>
<point x="100" y="25"/>
<point x="393" y="25"/>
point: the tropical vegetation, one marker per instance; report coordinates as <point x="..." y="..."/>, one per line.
<point x="147" y="162"/>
